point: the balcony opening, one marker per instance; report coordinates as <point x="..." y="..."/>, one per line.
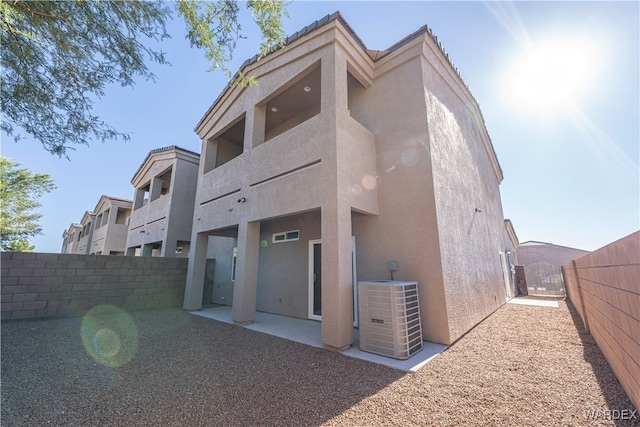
<point x="357" y="104"/>
<point x="105" y="217"/>
<point x="226" y="146"/>
<point x="161" y="185"/>
<point x="122" y="216"/>
<point x="142" y="196"/>
<point x="294" y="103"/>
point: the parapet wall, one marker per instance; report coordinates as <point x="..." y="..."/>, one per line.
<point x="604" y="286"/>
<point x="39" y="285"/>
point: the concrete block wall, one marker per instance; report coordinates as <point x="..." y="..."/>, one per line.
<point x="604" y="286"/>
<point x="39" y="285"/>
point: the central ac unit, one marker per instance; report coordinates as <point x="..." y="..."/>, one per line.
<point x="389" y="318"/>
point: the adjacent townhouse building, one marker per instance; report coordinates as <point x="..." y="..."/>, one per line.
<point x="542" y="266"/>
<point x="165" y="189"/>
<point x="346" y="164"/>
<point x="86" y="234"/>
<point x="71" y="239"/>
<point x="109" y="235"/>
<point x="530" y="252"/>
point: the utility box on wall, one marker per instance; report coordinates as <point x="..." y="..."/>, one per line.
<point x="389" y="318"/>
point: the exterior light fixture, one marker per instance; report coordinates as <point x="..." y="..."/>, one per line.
<point x="242" y="199"/>
<point x="478" y="210"/>
<point x="307" y="88"/>
<point x="274" y="109"/>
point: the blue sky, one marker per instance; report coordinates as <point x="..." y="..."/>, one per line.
<point x="570" y="169"/>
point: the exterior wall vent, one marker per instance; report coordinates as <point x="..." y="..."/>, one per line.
<point x="389" y="318"/>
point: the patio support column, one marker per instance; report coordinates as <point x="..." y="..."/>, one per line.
<point x="244" y="289"/>
<point x="337" y="290"/>
<point x="195" y="272"/>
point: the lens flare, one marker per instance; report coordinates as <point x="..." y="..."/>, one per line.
<point x="369" y="182"/>
<point x="109" y="335"/>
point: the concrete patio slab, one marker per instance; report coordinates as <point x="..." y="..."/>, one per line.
<point x="534" y="301"/>
<point x="309" y="332"/>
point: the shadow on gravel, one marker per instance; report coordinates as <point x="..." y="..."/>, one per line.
<point x="185" y="370"/>
<point x="614" y="394"/>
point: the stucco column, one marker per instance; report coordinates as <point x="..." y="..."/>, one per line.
<point x="244" y="290"/>
<point x="196" y="272"/>
<point x="147" y="250"/>
<point x="337" y="289"/>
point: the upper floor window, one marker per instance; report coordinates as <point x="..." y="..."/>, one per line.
<point x="226" y="146"/>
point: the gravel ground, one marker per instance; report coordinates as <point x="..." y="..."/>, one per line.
<point x="522" y="366"/>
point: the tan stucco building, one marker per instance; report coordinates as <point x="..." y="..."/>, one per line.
<point x="165" y="189"/>
<point x="86" y="233"/>
<point x="71" y="239"/>
<point x="110" y="226"/>
<point x="531" y="252"/>
<point x="347" y="164"/>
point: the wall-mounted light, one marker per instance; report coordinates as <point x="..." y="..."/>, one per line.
<point x="478" y="210"/>
<point x="242" y="199"/>
<point x="274" y="109"/>
<point x="307" y="88"/>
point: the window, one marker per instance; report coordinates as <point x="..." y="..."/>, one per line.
<point x="287" y="236"/>
<point x="234" y="263"/>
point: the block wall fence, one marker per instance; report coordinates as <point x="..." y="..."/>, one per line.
<point x="604" y="286"/>
<point x="39" y="285"/>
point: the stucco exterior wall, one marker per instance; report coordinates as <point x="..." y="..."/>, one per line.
<point x="283" y="278"/>
<point x="220" y="251"/>
<point x="467" y="199"/>
<point x="401" y="162"/>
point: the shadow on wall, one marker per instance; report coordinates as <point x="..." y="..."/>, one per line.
<point x="611" y="388"/>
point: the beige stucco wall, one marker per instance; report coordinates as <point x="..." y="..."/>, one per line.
<point x="403" y="173"/>
<point x="468" y="206"/>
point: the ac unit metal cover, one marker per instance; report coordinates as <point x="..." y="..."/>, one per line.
<point x="389" y="318"/>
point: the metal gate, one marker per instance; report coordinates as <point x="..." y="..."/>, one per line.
<point x="544" y="278"/>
